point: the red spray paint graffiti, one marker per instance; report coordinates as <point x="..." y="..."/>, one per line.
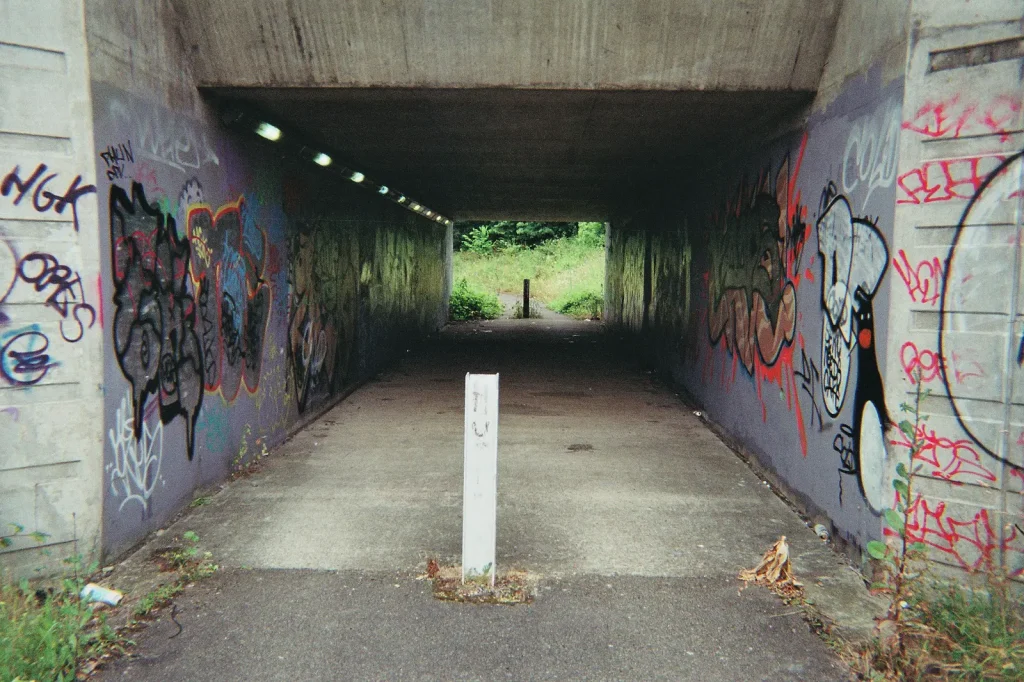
<point x="931" y="365"/>
<point x="954" y="117"/>
<point x="946" y="179"/>
<point x="744" y="320"/>
<point x="955" y="461"/>
<point x="971" y="544"/>
<point x="923" y="280"/>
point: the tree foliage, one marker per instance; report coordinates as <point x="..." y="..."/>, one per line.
<point x="486" y="237"/>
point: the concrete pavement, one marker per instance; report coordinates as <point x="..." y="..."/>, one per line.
<point x="635" y="516"/>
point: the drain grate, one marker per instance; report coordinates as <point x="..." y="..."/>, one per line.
<point x="580" y="447"/>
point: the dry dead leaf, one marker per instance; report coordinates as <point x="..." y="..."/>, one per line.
<point x="775" y="571"/>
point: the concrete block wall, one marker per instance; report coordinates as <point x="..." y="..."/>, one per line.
<point x="955" y="317"/>
<point x="51" y="307"/>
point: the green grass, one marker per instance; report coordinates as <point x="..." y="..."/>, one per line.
<point x="556" y="269"/>
<point x="979" y="635"/>
<point x="157" y="598"/>
<point x="583" y="305"/>
<point x="952" y="631"/>
<point x="45" y="635"/>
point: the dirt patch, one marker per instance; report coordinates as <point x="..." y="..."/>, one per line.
<point x="510" y="587"/>
<point x="580" y="447"/>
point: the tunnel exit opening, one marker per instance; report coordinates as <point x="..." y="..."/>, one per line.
<point x="560" y="264"/>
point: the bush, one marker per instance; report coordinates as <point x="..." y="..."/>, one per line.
<point x="467" y="304"/>
<point x="583" y="305"/>
<point x="590" y="234"/>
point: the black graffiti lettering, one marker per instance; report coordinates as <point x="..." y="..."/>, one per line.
<point x="810" y="377"/>
<point x="207" y="315"/>
<point x="155" y="341"/>
<point x="229" y="332"/>
<point x="43" y="200"/>
<point x="23" y="359"/>
<point x="115" y="157"/>
<point x="845" y="445"/>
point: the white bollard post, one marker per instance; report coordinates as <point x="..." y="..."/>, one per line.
<point x="480" y="478"/>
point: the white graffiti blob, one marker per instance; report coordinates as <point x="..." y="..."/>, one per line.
<point x="870" y="156"/>
<point x="136" y="466"/>
<point x="854" y="256"/>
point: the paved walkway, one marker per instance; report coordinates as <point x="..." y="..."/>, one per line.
<point x="634" y="514"/>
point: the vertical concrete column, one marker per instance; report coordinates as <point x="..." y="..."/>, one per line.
<point x="51" y="303"/>
<point x="956" y="298"/>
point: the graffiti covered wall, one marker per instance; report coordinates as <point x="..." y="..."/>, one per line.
<point x="240" y="296"/>
<point x="805" y="292"/>
<point x="763" y="293"/>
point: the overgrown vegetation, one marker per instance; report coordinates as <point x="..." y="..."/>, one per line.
<point x="935" y="629"/>
<point x="46" y="634"/>
<point x="157" y="598"/>
<point x="187" y="560"/>
<point x="568" y="268"/>
<point x="583" y="305"/>
<point x="470" y="304"/>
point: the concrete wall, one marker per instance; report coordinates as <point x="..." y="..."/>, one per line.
<point x="50" y="307"/>
<point x="573" y="44"/>
<point x="242" y="293"/>
<point x="758" y="287"/>
<point x="956" y="278"/>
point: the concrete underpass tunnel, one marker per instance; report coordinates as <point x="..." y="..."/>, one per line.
<point x="808" y="217"/>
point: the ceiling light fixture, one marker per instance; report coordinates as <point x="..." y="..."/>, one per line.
<point x="268" y="131"/>
<point x="322" y="159"/>
<point x="383" y="189"/>
<point x="357" y="176"/>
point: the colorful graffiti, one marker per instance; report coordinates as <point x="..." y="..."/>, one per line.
<point x="854" y="258"/>
<point x="228" y="260"/>
<point x="154" y="327"/>
<point x="322" y="288"/>
<point x="754" y="255"/>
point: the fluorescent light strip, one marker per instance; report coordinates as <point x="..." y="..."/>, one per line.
<point x="268" y="131"/>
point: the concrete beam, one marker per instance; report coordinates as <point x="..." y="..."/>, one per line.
<point x="591" y="44"/>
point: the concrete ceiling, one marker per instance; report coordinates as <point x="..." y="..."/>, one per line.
<point x="514" y="108"/>
<point x="561" y="44"/>
<point x="528" y="154"/>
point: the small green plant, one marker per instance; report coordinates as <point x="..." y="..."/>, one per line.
<point x="18" y="531"/>
<point x="583" y="305"/>
<point x="467" y="304"/>
<point x="47" y="634"/>
<point x="187" y="559"/>
<point x="199" y="501"/>
<point x="935" y="630"/>
<point x="157" y="598"/>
